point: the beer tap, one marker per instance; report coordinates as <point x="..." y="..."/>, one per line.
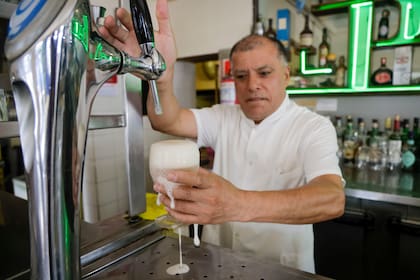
<point x="57" y="65"/>
<point x="144" y="32"/>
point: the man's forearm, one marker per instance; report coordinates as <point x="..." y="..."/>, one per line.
<point x="318" y="201"/>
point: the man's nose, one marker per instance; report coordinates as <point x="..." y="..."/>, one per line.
<point x="253" y="82"/>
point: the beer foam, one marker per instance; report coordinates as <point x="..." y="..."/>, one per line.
<point x="174" y="154"/>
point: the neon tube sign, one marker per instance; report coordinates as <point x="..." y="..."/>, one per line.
<point x="361" y="43"/>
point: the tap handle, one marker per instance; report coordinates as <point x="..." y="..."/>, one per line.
<point x="142" y="21"/>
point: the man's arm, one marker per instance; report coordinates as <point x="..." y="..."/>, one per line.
<point x="174" y="120"/>
<point x="214" y="200"/>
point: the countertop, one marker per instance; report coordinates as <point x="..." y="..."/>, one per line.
<point x="395" y="187"/>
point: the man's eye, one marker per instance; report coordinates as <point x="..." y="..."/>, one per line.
<point x="264" y="73"/>
<point x="239" y="76"/>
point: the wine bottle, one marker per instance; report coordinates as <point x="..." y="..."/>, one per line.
<point x="306" y="35"/>
<point x="382" y="75"/>
<point x="270" y="32"/>
<point x="323" y="50"/>
<point x="340" y="74"/>
<point x="383" y="28"/>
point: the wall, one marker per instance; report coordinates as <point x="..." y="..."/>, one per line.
<point x="204" y="27"/>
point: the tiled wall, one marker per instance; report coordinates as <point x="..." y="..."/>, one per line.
<point x="104" y="191"/>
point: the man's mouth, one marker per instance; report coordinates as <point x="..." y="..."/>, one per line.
<point x="256" y="99"/>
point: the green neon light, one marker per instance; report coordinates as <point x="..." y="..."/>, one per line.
<point x="388" y="89"/>
<point x="359" y="39"/>
<point x="361" y="44"/>
<point x="409" y="30"/>
<point x="305" y="70"/>
<point x="337" y="5"/>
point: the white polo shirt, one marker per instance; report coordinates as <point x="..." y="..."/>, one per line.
<point x="287" y="149"/>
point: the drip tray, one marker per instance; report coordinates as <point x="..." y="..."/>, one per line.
<point x="206" y="262"/>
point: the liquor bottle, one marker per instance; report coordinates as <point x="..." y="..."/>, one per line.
<point x="375" y="153"/>
<point x="408" y="157"/>
<point x="306" y="35"/>
<point x="405" y="129"/>
<point x="349" y="143"/>
<point x="382" y="75"/>
<point x="394" y="146"/>
<point x="258" y="27"/>
<point x="323" y="50"/>
<point x="340" y="73"/>
<point x="271" y="33"/>
<point x="383" y="28"/>
<point x="339" y="129"/>
<point x="362" y="154"/>
<point x="416" y="132"/>
<point x="388" y="127"/>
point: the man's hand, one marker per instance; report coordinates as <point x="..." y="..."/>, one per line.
<point x="202" y="197"/>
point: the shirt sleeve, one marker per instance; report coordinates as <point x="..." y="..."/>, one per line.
<point x="208" y="122"/>
<point x="320" y="152"/>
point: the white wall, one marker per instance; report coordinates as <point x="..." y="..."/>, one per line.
<point x="204" y="27"/>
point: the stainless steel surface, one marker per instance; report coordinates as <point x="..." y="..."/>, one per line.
<point x="134" y="153"/>
<point x="57" y="64"/>
<point x="106" y="121"/>
<point x="206" y="262"/>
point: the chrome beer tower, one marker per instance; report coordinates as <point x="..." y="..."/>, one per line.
<point x="58" y="62"/>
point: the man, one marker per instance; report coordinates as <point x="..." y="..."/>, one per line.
<point x="275" y="168"/>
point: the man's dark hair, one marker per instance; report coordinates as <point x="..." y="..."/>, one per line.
<point x="251" y="41"/>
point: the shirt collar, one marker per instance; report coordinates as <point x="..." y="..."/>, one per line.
<point x="275" y="116"/>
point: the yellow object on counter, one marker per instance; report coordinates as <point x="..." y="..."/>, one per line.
<point x="152" y="209"/>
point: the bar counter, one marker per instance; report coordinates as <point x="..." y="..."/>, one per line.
<point x="385" y="186"/>
<point x="117" y="249"/>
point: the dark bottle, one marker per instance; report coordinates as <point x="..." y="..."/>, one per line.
<point x="306" y="35"/>
<point x="270" y="31"/>
<point x="382" y="75"/>
<point x="383" y="28"/>
<point x="323" y="50"/>
<point x="340" y="73"/>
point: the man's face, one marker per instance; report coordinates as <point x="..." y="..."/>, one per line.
<point x="261" y="78"/>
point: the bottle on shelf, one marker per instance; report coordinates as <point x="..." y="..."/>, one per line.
<point x="349" y="143"/>
<point x="340" y="73"/>
<point x="339" y="129"/>
<point x="388" y="127"/>
<point x="258" y="27"/>
<point x="408" y="156"/>
<point x="270" y="32"/>
<point x="382" y="75"/>
<point x="362" y="154"/>
<point x="383" y="29"/>
<point x="331" y="61"/>
<point x="324" y="49"/>
<point x="394" y="147"/>
<point x="416" y="135"/>
<point x="306" y="35"/>
<point x="375" y="152"/>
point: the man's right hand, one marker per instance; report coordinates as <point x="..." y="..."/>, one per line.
<point x="125" y="38"/>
